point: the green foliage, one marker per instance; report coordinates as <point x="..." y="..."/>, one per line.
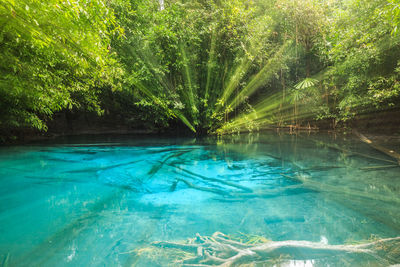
<point x="306" y="83"/>
<point x="365" y="57"/>
<point x="54" y="54"/>
<point x="393" y="10"/>
<point x="214" y="66"/>
<point x="193" y="55"/>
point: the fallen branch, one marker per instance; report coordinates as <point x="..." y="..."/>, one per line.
<point x="220" y="250"/>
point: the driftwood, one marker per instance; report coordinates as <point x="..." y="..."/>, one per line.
<point x="389" y="152"/>
<point x="220" y="250"/>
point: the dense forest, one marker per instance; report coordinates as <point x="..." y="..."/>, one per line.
<point x="212" y="66"/>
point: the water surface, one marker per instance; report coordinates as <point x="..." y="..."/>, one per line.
<point x="103" y="201"/>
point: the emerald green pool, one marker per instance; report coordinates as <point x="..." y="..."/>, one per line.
<point x="102" y="201"/>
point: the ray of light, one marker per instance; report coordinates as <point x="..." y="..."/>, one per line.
<point x="267" y="112"/>
<point x="235" y="79"/>
<point x="156" y="100"/>
<point x="262" y="109"/>
<point x="210" y="64"/>
<point x="188" y="78"/>
<point x="150" y="60"/>
<point x="151" y="63"/>
<point x="262" y="77"/>
<point x="240" y="71"/>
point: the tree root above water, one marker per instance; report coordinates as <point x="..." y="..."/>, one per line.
<point x="220" y="250"/>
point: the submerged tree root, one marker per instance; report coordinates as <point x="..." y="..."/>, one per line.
<point x="156" y="167"/>
<point x="212" y="179"/>
<point x="220" y="250"/>
<point x="241" y="195"/>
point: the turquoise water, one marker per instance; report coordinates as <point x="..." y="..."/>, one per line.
<point x="103" y="201"/>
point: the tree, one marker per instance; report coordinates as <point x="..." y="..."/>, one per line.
<point x="54" y="56"/>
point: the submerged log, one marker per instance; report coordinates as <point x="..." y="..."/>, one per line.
<point x="220" y="250"/>
<point x="321" y="168"/>
<point x="353" y="153"/>
<point x="389" y="152"/>
<point x="374" y="168"/>
<point x="102" y="168"/>
<point x="339" y="190"/>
